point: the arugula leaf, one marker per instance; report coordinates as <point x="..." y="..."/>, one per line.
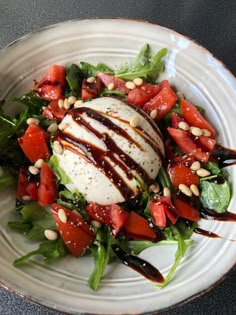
<point x="89" y="70"/>
<point x="144" y="66"/>
<point x="137" y="247"/>
<point x="38" y="218"/>
<point x="72" y="200"/>
<point x="7" y="179"/>
<point x="101" y="251"/>
<point x="106" y="92"/>
<point x="181" y="250"/>
<point x="215" y="196"/>
<point x="74" y="79"/>
<point x="61" y="176"/>
<point x="50" y="250"/>
<point x="164" y="180"/>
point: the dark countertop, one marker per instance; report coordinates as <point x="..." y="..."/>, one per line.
<point x="210" y="23"/>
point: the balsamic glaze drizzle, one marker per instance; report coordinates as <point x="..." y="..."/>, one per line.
<point x="139" y="265"/>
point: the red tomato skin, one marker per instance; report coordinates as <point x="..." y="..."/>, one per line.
<point x="175" y="120"/>
<point x="34" y="143"/>
<point x="98" y="212"/>
<point x="119" y="84"/>
<point x="185" y="209"/>
<point x="137" y="227"/>
<point x="53" y="111"/>
<point x="163" y="101"/>
<point x="162" y="207"/>
<point x="194" y="118"/>
<point x="47" y="191"/>
<point x="76" y="233"/>
<point x="22" y="182"/>
<point x="91" y="90"/>
<point x="118" y="218"/>
<point x="32" y="190"/>
<point x="50" y="87"/>
<point x="179" y="173"/>
<point x="113" y="215"/>
<point x="158" y="213"/>
<point x="141" y="94"/>
<point x="187" y="145"/>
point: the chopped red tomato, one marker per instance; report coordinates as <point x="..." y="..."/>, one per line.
<point x="47" y="191"/>
<point x="22" y="182"/>
<point x="199" y="147"/>
<point x="98" y="212"/>
<point x="50" y="87"/>
<point x="118" y="218"/>
<point x="161" y="207"/>
<point x="175" y="120"/>
<point x="138" y="228"/>
<point x="163" y="101"/>
<point x="34" y="143"/>
<point x="141" y="94"/>
<point x="194" y="118"/>
<point x="113" y="215"/>
<point x="91" y="90"/>
<point x="53" y="111"/>
<point x="75" y="232"/>
<point x="185" y="208"/>
<point x="119" y="84"/>
<point x="179" y="173"/>
<point x="32" y="190"/>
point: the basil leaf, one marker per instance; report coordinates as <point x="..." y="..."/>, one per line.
<point x="7" y="179"/>
<point x="215" y="196"/>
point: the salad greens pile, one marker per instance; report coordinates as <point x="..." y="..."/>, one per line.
<point x="33" y="219"/>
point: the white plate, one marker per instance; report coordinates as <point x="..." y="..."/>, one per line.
<point x="203" y="80"/>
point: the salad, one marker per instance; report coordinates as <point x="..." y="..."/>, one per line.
<point x="109" y="162"/>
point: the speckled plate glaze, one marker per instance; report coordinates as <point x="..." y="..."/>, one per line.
<point x="203" y="80"/>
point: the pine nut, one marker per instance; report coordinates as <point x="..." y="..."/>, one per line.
<point x="39" y="163"/>
<point x="183" y="125"/>
<point x="196" y="131"/>
<point x="60" y="103"/>
<point x="153" y="113"/>
<point x="63" y="126"/>
<point x="33" y="121"/>
<point x="57" y="147"/>
<point x="96" y="224"/>
<point x="185" y="190"/>
<point x="78" y="103"/>
<point x="166" y="192"/>
<point x="195" y="190"/>
<point x="195" y="166"/>
<point x="130" y="85"/>
<point x="26" y="198"/>
<point x="111" y="86"/>
<point x="91" y="79"/>
<point x="154" y="188"/>
<point x="202" y="172"/>
<point x="72" y="100"/>
<point x="66" y="103"/>
<point x="138" y="81"/>
<point x="206" y="133"/>
<point x="134" y="121"/>
<point x="50" y="235"/>
<point x="52" y="128"/>
<point x="180" y="95"/>
<point x="62" y="215"/>
<point x="33" y="170"/>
